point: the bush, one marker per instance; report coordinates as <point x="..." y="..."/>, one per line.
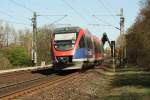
<point x="17" y="55"/>
<point x="4" y="63"/>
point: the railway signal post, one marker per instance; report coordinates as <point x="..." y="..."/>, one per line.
<point x="112" y="46"/>
<point x="113" y="53"/>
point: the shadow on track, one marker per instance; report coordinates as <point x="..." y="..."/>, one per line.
<point x="51" y="71"/>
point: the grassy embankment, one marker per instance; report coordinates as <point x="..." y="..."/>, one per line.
<point x="131" y="83"/>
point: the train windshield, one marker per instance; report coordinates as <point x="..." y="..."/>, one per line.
<point x="64" y="41"/>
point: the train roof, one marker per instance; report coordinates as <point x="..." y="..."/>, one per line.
<point x="75" y="29"/>
<point x="67" y="29"/>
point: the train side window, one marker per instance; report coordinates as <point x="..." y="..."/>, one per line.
<point x="95" y="46"/>
<point x="89" y="42"/>
<point x="99" y="48"/>
<point x="82" y="42"/>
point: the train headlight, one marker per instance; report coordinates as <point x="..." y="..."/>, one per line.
<point x="73" y="41"/>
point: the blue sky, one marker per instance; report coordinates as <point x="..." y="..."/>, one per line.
<point x="79" y="13"/>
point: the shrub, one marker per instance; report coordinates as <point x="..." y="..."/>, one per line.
<point x="4" y="63"/>
<point x="17" y="55"/>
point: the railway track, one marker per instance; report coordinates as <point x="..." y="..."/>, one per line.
<point x="10" y="78"/>
<point x="12" y="74"/>
<point x="30" y="86"/>
<point x="17" y="77"/>
<point x="18" y="72"/>
<point x="47" y="78"/>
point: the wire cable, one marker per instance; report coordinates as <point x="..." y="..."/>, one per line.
<point x="14" y="22"/>
<point x="83" y="18"/>
<point x="7" y="14"/>
<point x="110" y="6"/>
<point x="58" y="20"/>
<point x="51" y="15"/>
<point x="109" y="11"/>
<point x="20" y="5"/>
<point x="108" y="24"/>
<point x="4" y="13"/>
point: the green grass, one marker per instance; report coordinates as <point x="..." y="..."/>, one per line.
<point x="132" y="80"/>
<point x="128" y="84"/>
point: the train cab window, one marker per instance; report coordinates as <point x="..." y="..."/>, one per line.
<point x="64" y="41"/>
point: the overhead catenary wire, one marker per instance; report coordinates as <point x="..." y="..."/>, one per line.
<point x="47" y="16"/>
<point x="83" y="18"/>
<point x="29" y="9"/>
<point x="14" y="22"/>
<point x="105" y="15"/>
<point x="110" y="6"/>
<point x="8" y="21"/>
<point x="21" y="5"/>
<point x="51" y="15"/>
<point x="63" y="24"/>
<point x="108" y="24"/>
<point x="6" y="14"/>
<point x="101" y="20"/>
<point x="11" y="16"/>
<point x="105" y="25"/>
<point x="107" y="9"/>
<point x="58" y="19"/>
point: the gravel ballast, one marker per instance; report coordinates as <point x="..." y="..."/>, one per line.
<point x="84" y="87"/>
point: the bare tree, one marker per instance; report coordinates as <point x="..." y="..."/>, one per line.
<point x="138" y="42"/>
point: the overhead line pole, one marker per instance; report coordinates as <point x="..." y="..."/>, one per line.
<point x="123" y="45"/>
<point x="34" y="39"/>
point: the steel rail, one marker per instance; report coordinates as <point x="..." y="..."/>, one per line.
<point x="33" y="85"/>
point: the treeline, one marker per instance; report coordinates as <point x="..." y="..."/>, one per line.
<point x="16" y="46"/>
<point x="138" y="37"/>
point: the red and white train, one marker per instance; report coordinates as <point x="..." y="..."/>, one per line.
<point x="75" y="48"/>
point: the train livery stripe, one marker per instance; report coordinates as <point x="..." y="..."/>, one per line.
<point x="86" y="59"/>
<point x="81" y="59"/>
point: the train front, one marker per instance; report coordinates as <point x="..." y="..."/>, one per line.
<point x="64" y="44"/>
